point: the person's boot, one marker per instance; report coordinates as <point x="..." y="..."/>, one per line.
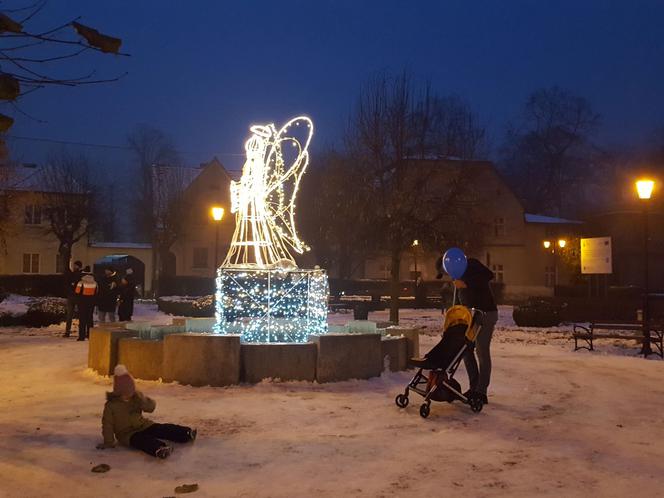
<point x="164" y="452"/>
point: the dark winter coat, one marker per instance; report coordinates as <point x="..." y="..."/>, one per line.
<point x="108" y="293"/>
<point x="126" y="301"/>
<point x="477" y="293"/>
<point x="122" y="419"/>
<point x="71" y="279"/>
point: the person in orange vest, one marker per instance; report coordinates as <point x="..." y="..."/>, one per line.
<point x="86" y="291"/>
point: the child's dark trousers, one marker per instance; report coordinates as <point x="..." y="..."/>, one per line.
<point x="151" y="439"/>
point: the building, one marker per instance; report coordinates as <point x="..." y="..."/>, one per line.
<point x="512" y="240"/>
<point x="196" y="249"/>
<point x="30" y="247"/>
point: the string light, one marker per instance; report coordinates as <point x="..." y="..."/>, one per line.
<point x="264" y="199"/>
<point x="271" y="305"/>
<point x="261" y="293"/>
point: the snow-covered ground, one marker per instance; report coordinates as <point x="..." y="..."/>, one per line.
<point x="559" y="423"/>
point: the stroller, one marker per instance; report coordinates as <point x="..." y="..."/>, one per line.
<point x="460" y="331"/>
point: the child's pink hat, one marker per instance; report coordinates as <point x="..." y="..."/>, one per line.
<point x="123" y="383"/>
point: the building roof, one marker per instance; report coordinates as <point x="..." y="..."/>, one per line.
<point x="32" y="178"/>
<point x="549" y="220"/>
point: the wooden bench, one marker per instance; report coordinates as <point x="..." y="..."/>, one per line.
<point x="630" y="330"/>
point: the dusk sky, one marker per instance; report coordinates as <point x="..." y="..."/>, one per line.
<point x="204" y="71"/>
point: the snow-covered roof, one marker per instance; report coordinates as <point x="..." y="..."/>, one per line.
<point x="539" y="218"/>
<point x="32" y="178"/>
<point x="121" y="245"/>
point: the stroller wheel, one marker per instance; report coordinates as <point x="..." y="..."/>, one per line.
<point x="401" y="400"/>
<point x="476" y="404"/>
<point x="424" y="410"/>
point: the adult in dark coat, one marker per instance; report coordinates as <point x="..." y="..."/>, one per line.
<point x="475" y="292"/>
<point x="108" y="295"/>
<point x="127" y="292"/>
<point x="72" y="275"/>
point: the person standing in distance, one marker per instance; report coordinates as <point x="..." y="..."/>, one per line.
<point x="72" y="275"/>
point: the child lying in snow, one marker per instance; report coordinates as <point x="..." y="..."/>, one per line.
<point x="123" y="419"/>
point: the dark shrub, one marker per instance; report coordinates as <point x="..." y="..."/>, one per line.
<point x="41" y="312"/>
<point x="186" y="286"/>
<point x="537" y="313"/>
<point x="187" y="306"/>
<point x="33" y="285"/>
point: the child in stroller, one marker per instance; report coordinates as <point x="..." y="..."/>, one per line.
<point x="460" y="330"/>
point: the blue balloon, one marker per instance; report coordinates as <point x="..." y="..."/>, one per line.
<point x="455" y="262"/>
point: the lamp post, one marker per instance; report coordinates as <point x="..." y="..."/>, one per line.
<point x="644" y="188"/>
<point x="416" y="243"/>
<point x="217" y="214"/>
<point x="560" y="244"/>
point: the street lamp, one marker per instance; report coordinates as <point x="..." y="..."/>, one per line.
<point x="644" y="188"/>
<point x="548" y="245"/>
<point x="415" y="244"/>
<point x="217" y="215"/>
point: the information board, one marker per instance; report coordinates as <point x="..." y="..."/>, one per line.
<point x="596" y="256"/>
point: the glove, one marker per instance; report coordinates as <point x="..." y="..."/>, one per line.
<point x="103" y="446"/>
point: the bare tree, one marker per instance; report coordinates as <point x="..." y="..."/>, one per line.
<point x="335" y="213"/>
<point x="31" y="57"/>
<point x="7" y="225"/>
<point x="67" y="191"/>
<point x="548" y="151"/>
<point x="392" y="137"/>
<point x="160" y="187"/>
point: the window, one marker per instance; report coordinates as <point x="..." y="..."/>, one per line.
<point x="550" y="276"/>
<point x="33" y="214"/>
<point x="30" y="263"/>
<point x="498" y="270"/>
<point x="200" y="257"/>
<point x="499" y="226"/>
<point x="59" y="264"/>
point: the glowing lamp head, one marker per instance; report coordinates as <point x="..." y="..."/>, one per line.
<point x="546" y="244"/>
<point x="217" y="213"/>
<point x="562" y="243"/>
<point x="416" y="243"/>
<point x="644" y="188"/>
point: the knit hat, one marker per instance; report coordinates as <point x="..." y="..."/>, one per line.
<point x="123" y="383"/>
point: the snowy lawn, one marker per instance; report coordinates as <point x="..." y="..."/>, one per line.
<point x="558" y="424"/>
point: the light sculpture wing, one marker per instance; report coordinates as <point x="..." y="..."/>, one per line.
<point x="264" y="199"/>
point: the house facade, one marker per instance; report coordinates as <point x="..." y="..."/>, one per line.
<point x="512" y="242"/>
<point x="29" y="247"/>
<point x="203" y="239"/>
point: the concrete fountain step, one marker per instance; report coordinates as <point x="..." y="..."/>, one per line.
<point x="201" y="359"/>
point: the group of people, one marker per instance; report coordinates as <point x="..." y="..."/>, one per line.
<point x="109" y="293"/>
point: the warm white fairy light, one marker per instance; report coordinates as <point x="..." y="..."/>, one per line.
<point x="267" y="305"/>
<point x="264" y="199"/>
<point x="261" y="294"/>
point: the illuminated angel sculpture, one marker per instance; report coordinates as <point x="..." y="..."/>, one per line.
<point x="264" y="199"/>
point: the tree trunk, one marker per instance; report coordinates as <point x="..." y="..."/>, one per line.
<point x="64" y="251"/>
<point x="395" y="289"/>
<point x="155" y="271"/>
